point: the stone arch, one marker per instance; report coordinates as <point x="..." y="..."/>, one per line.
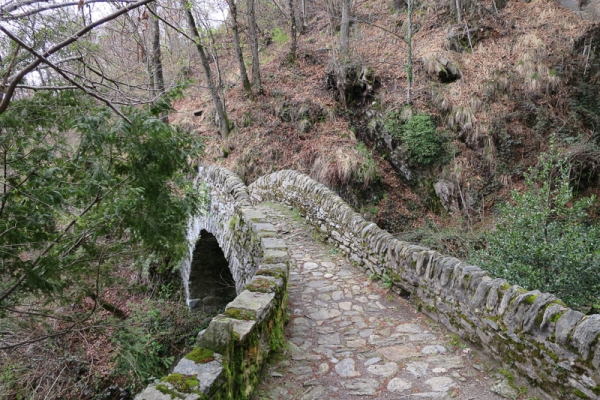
<point x="211" y="285"/>
<point x="228" y="218"/>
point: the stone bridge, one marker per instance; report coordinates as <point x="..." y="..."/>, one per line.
<point x="346" y="337"/>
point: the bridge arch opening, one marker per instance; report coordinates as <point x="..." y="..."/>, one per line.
<point x="211" y="285"/>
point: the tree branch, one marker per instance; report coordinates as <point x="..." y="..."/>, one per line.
<point x="46" y="87"/>
<point x="61" y="5"/>
<point x="34" y="265"/>
<point x="5" y="101"/>
<point x="379" y="27"/>
<point x="10" y="67"/>
<point x="63" y="74"/>
<point x="14" y="6"/>
<point x="178" y="30"/>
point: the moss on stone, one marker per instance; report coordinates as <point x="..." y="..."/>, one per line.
<point x="262" y="286"/>
<point x="200" y="355"/>
<point x="233" y="222"/>
<point x="553" y="356"/>
<point x="429" y="308"/>
<point x="510" y="378"/>
<point x="557" y="316"/>
<point x="164" y="389"/>
<point x="277" y="339"/>
<point x="531" y="299"/>
<point x="183" y="383"/>
<point x="274" y="272"/>
<point x="580" y="394"/>
<point x="236" y="313"/>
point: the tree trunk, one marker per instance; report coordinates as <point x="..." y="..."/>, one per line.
<point x="344" y="50"/>
<point x="157" y="68"/>
<point x="304" y="23"/>
<point x="254" y="47"/>
<point x="459" y="17"/>
<point x="223" y="121"/>
<point x="238" y="48"/>
<point x="294" y="40"/>
<point x="409" y="63"/>
<point x="142" y="53"/>
<point x="345" y="27"/>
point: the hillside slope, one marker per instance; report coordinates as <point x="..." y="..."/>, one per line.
<point x="497" y="85"/>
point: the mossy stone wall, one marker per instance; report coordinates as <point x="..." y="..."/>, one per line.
<point x="233" y="349"/>
<point x="236" y="225"/>
<point x="554" y="346"/>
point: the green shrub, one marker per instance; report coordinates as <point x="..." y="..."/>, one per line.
<point x="393" y="124"/>
<point x="542" y="239"/>
<point x="421" y="141"/>
<point x="418" y="135"/>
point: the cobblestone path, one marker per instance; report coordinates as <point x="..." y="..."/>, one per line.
<point x="348" y="337"/>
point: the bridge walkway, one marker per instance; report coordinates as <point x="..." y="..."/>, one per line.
<point x="349" y="337"/>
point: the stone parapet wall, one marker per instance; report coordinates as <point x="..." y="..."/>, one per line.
<point x="228" y="202"/>
<point x="237" y="343"/>
<point x="556" y="347"/>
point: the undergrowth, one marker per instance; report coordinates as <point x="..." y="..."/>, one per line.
<point x="113" y="356"/>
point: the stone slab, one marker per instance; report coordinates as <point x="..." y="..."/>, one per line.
<point x="207" y="373"/>
<point x="273" y="243"/>
<point x="253" y="305"/>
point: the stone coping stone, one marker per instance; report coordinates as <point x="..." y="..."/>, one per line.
<point x="152" y="393"/>
<point x="253" y="215"/>
<point x="275" y="256"/>
<point x="242" y="328"/>
<point x="273" y="243"/>
<point x="263" y="229"/>
<point x="280" y="270"/>
<point x="250" y="305"/>
<point x="265" y="284"/>
<point x="207" y="373"/>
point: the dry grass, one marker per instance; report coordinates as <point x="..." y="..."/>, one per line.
<point x="513" y="59"/>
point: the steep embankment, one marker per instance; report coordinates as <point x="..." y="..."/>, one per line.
<point x="496" y="85"/>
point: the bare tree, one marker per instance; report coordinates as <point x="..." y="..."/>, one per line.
<point x="304" y="23"/>
<point x="141" y="50"/>
<point x="157" y="67"/>
<point x="293" y="32"/>
<point x="256" y="81"/>
<point x="345" y="27"/>
<point x="158" y="80"/>
<point x="219" y="108"/>
<point x="41" y="57"/>
<point x="238" y="48"/>
<point x="458" y="13"/>
<point x="344" y="50"/>
<point x="409" y="63"/>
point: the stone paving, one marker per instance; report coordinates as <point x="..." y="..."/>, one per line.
<point x="348" y="337"/>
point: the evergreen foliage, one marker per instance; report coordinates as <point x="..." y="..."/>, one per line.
<point x="543" y="239"/>
<point x="419" y="138"/>
<point x="81" y="188"/>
